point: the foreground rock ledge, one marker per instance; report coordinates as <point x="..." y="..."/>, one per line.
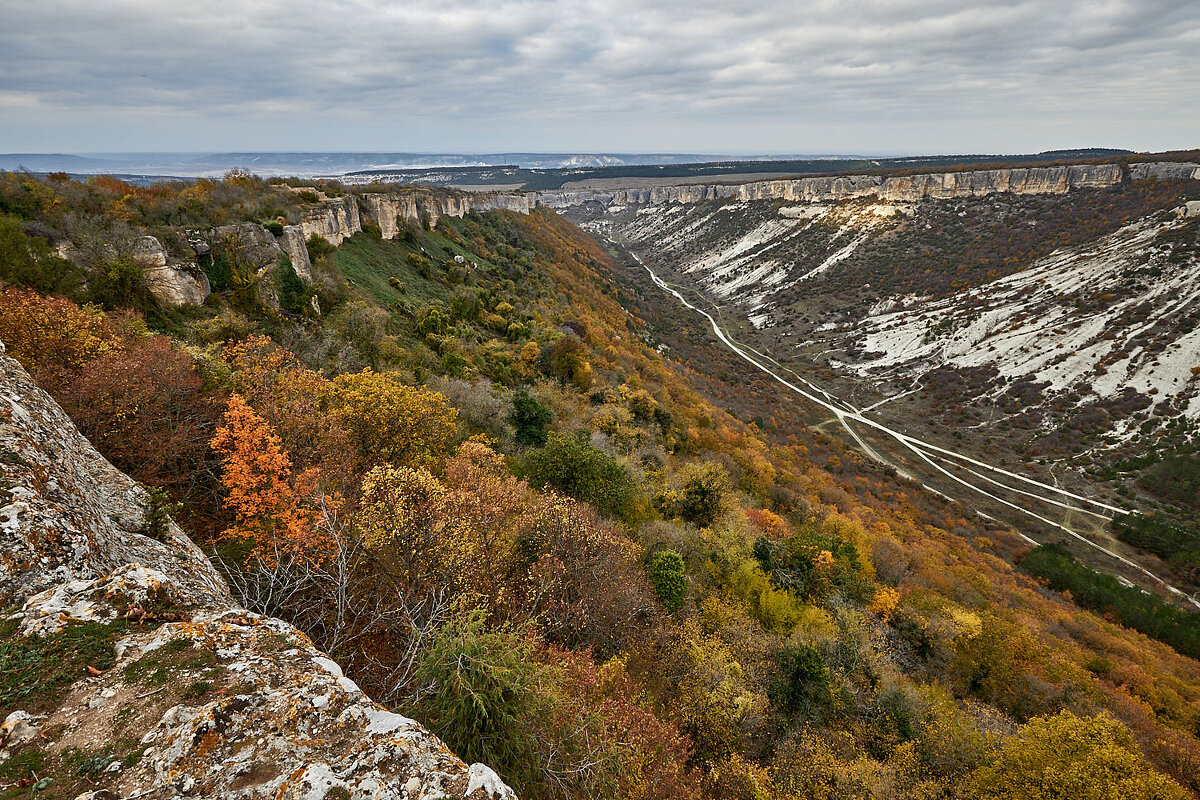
<point x="203" y="699"/>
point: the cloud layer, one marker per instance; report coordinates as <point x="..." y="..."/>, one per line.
<point x="882" y="76"/>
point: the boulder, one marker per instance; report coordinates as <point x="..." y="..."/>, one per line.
<point x="172" y="283"/>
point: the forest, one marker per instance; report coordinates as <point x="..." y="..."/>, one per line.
<point x="472" y="472"/>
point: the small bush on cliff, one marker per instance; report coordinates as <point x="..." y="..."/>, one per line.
<point x="293" y="294"/>
<point x="318" y="247"/>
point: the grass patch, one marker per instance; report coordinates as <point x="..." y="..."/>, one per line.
<point x="161" y="666"/>
<point x="36" y="671"/>
<point x="370" y="264"/>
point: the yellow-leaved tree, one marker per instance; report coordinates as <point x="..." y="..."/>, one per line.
<point x="389" y="421"/>
<point x="1063" y="757"/>
<point x="402" y="520"/>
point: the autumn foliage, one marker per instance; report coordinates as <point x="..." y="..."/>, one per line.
<point x="571" y="558"/>
<point x="270" y="516"/>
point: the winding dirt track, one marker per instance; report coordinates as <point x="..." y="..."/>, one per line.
<point x="934" y="456"/>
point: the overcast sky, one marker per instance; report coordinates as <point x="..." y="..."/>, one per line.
<point x="845" y="76"/>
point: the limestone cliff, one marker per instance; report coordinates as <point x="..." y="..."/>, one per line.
<point x="336" y="219"/>
<point x="292" y="241"/>
<point x="910" y="188"/>
<point x="388" y="210"/>
<point x="195" y="697"/>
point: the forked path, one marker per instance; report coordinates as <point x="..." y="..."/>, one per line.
<point x="931" y="454"/>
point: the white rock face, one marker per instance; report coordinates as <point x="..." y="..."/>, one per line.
<point x="390" y="210"/>
<point x="66" y="514"/>
<point x="251" y="708"/>
<point x="1023" y="327"/>
<point x="337" y="219"/>
<point x="252" y="242"/>
<point x="172" y="284"/>
<point x="1165" y="170"/>
<point x="900" y="189"/>
<point x="292" y="243"/>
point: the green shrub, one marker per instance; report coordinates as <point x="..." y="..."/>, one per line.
<point x="576" y="467"/>
<point x="274" y="226"/>
<point x="704" y="493"/>
<point x="466" y="305"/>
<point x="667" y="575"/>
<point x="318" y="247"/>
<point x="1176" y="478"/>
<point x="802" y="682"/>
<point x="28" y="261"/>
<point x="293" y="294"/>
<point x="159" y="508"/>
<point x="793" y="565"/>
<point x="530" y="418"/>
<point x="567" y="360"/>
<point x="431" y="320"/>
<point x="482" y="696"/>
<point x="120" y="283"/>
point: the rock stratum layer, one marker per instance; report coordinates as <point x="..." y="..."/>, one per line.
<point x="909" y="188"/>
<point x="208" y="699"/>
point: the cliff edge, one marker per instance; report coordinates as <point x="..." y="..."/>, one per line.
<point x="128" y="670"/>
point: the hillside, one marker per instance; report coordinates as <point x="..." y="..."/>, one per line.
<point x="524" y="499"/>
<point x="1053" y="331"/>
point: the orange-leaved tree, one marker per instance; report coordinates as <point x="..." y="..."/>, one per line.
<point x="269" y="514"/>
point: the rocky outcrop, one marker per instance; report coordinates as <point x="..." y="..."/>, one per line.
<point x="417" y="207"/>
<point x="248" y="242"/>
<point x="292" y="242"/>
<point x="1164" y="170"/>
<point x="336" y="219"/>
<point x="198" y="698"/>
<point x="895" y="189"/>
<point x="173" y="283"/>
<point x="67" y="515"/>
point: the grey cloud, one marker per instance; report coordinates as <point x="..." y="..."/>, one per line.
<point x="907" y="75"/>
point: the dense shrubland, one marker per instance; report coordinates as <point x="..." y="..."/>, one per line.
<point x="479" y="487"/>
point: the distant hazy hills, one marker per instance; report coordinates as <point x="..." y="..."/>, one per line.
<point x="523" y="168"/>
<point x="335" y="164"/>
